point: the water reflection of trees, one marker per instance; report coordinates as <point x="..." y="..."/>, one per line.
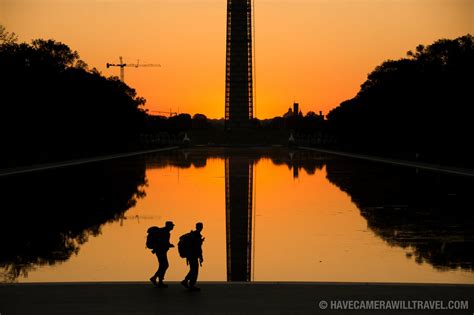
<point x="309" y="161"/>
<point x="47" y="216"/>
<point x="428" y="214"/>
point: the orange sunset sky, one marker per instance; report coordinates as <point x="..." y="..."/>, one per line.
<point x="317" y="52"/>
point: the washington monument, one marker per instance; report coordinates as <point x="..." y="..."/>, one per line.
<point x="239" y="79"/>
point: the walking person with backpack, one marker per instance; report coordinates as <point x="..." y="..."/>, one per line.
<point x="190" y="247"/>
<point x="158" y="240"/>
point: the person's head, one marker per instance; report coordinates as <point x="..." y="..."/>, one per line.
<point x="169" y="225"/>
<point x="199" y="226"/>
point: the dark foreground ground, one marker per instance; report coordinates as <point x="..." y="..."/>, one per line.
<point x="224" y="298"/>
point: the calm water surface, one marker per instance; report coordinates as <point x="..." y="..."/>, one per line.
<point x="269" y="215"/>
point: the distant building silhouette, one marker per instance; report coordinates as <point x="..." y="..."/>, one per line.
<point x="296" y="109"/>
<point x="239" y="81"/>
<point x="289" y="113"/>
<point x="239" y="217"/>
<point x="295" y="112"/>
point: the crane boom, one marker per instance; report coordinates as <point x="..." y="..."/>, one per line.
<point x="122" y="66"/>
<point x="136" y="65"/>
<point x="170" y="113"/>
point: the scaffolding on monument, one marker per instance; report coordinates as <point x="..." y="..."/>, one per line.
<point x="239" y="65"/>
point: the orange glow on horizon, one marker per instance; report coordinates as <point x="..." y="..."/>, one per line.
<point x="315" y="52"/>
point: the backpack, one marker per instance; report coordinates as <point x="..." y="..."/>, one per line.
<point x="185" y="245"/>
<point x="154" y="237"/>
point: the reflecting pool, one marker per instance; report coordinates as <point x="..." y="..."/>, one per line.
<point x="269" y="214"/>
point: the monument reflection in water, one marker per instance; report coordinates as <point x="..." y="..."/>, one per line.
<point x="239" y="217"/>
<point x="397" y="203"/>
<point x="319" y="218"/>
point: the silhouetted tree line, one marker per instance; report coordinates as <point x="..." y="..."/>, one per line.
<point x="309" y="123"/>
<point x="53" y="107"/>
<point x="299" y="123"/>
<point x="180" y="123"/>
<point x="416" y="107"/>
<point x="172" y="125"/>
<point x="203" y="130"/>
<point x="162" y="130"/>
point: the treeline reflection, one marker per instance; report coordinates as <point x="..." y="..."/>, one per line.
<point x="428" y="214"/>
<point x="309" y="161"/>
<point x="47" y="216"/>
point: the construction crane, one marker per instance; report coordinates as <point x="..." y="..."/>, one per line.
<point x="135" y="217"/>
<point x="123" y="65"/>
<point x="170" y="113"/>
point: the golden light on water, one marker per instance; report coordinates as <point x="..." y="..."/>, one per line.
<point x="306" y="229"/>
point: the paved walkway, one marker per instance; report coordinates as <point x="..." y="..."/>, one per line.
<point x="42" y="167"/>
<point x="424" y="166"/>
<point x="222" y="298"/>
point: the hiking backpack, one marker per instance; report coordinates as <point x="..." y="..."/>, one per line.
<point x="153" y="237"/>
<point x="184" y="245"/>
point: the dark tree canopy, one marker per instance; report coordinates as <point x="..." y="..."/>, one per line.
<point x="52" y="107"/>
<point x="416" y="106"/>
<point x="7" y="37"/>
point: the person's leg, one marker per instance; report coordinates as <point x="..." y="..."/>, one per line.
<point x="186" y="279"/>
<point x="153" y="278"/>
<point x="163" y="261"/>
<point x="193" y="272"/>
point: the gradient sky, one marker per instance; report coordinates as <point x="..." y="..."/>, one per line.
<point x="317" y="52"/>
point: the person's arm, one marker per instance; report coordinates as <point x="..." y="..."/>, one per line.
<point x="201" y="259"/>
<point x="169" y="244"/>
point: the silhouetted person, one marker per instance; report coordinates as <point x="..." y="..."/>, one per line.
<point x="194" y="258"/>
<point x="160" y="249"/>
